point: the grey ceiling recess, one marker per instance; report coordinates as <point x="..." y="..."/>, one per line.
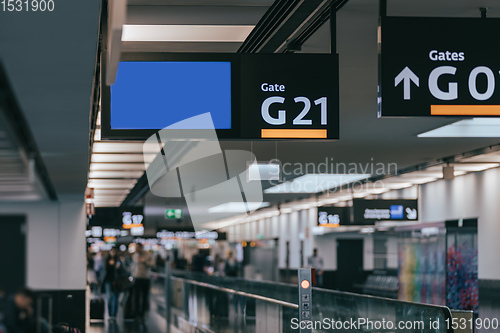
<point x="21" y="165"/>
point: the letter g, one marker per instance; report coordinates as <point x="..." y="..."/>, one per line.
<point x="265" y="111"/>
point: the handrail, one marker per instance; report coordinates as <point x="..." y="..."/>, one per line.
<point x="236" y="292"/>
<point x="163" y="275"/>
<point x="443" y="309"/>
<point x="338" y="292"/>
<point x="446" y="310"/>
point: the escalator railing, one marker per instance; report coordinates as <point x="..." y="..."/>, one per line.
<point x="202" y="303"/>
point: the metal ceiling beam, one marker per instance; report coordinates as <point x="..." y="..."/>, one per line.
<point x="288" y="24"/>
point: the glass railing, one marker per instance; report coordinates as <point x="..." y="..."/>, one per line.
<point x="199" y="302"/>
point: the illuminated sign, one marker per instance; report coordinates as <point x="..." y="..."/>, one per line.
<point x="137" y="231"/>
<point x="333" y="217"/>
<point x="439" y="67"/>
<point x="249" y="96"/>
<point x="131" y="221"/>
<point x="111" y="232"/>
<point x="96" y="232"/>
<point x="289" y="96"/>
<point x="173" y="214"/>
<point x="117" y="217"/>
<point x="370" y="211"/>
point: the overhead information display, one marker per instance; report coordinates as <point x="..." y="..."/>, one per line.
<point x="289" y="96"/>
<point x="154" y="87"/>
<point x="370" y="211"/>
<point x="333" y="217"/>
<point x="249" y="96"/>
<point x="439" y="67"/>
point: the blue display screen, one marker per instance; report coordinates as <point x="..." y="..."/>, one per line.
<point x="154" y="95"/>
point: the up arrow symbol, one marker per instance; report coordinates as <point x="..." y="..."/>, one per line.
<point x="406" y="75"/>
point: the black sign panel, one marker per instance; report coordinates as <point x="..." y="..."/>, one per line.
<point x="439" y="67"/>
<point x="333" y="217"/>
<point x="290" y="96"/>
<point x="117" y="217"/>
<point x="369" y="211"/>
<point x="249" y="96"/>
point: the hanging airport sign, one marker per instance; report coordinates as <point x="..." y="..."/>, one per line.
<point x="132" y="220"/>
<point x="333" y="217"/>
<point x="370" y="211"/>
<point x="289" y="96"/>
<point x="439" y="67"/>
<point x="118" y="217"/>
<point x="249" y="96"/>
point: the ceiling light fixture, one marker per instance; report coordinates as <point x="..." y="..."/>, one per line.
<point x="468" y="128"/>
<point x="186" y="33"/>
<point x="314" y="183"/>
<point x="237" y="207"/>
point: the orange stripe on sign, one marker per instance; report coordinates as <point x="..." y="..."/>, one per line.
<point x="293" y="134"/>
<point x="465" y="110"/>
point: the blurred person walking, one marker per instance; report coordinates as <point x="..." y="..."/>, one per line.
<point x="17" y="312"/>
<point x="219" y="265"/>
<point x="142" y="261"/>
<point x="231" y="266"/>
<point x="113" y="272"/>
<point x="316" y="261"/>
<point x="199" y="262"/>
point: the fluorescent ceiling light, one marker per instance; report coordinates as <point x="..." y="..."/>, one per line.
<point x="475" y="167"/>
<point x="118" y="166"/>
<point x="323" y="202"/>
<point x="110" y="191"/>
<point x="361" y="194"/>
<point x="121" y="147"/>
<point x="417" y="180"/>
<point x="108" y="200"/>
<point x="237" y="207"/>
<point x="483" y="158"/>
<point x="111" y="196"/>
<point x="123" y="158"/>
<point x="397" y="185"/>
<point x="468" y="128"/>
<point x="186" y="33"/>
<point x="97" y="134"/>
<point x="111" y="184"/>
<point x="314" y="183"/>
<point x="377" y="190"/>
<point x="115" y="174"/>
<point x="264" y="171"/>
<point x="286" y="210"/>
